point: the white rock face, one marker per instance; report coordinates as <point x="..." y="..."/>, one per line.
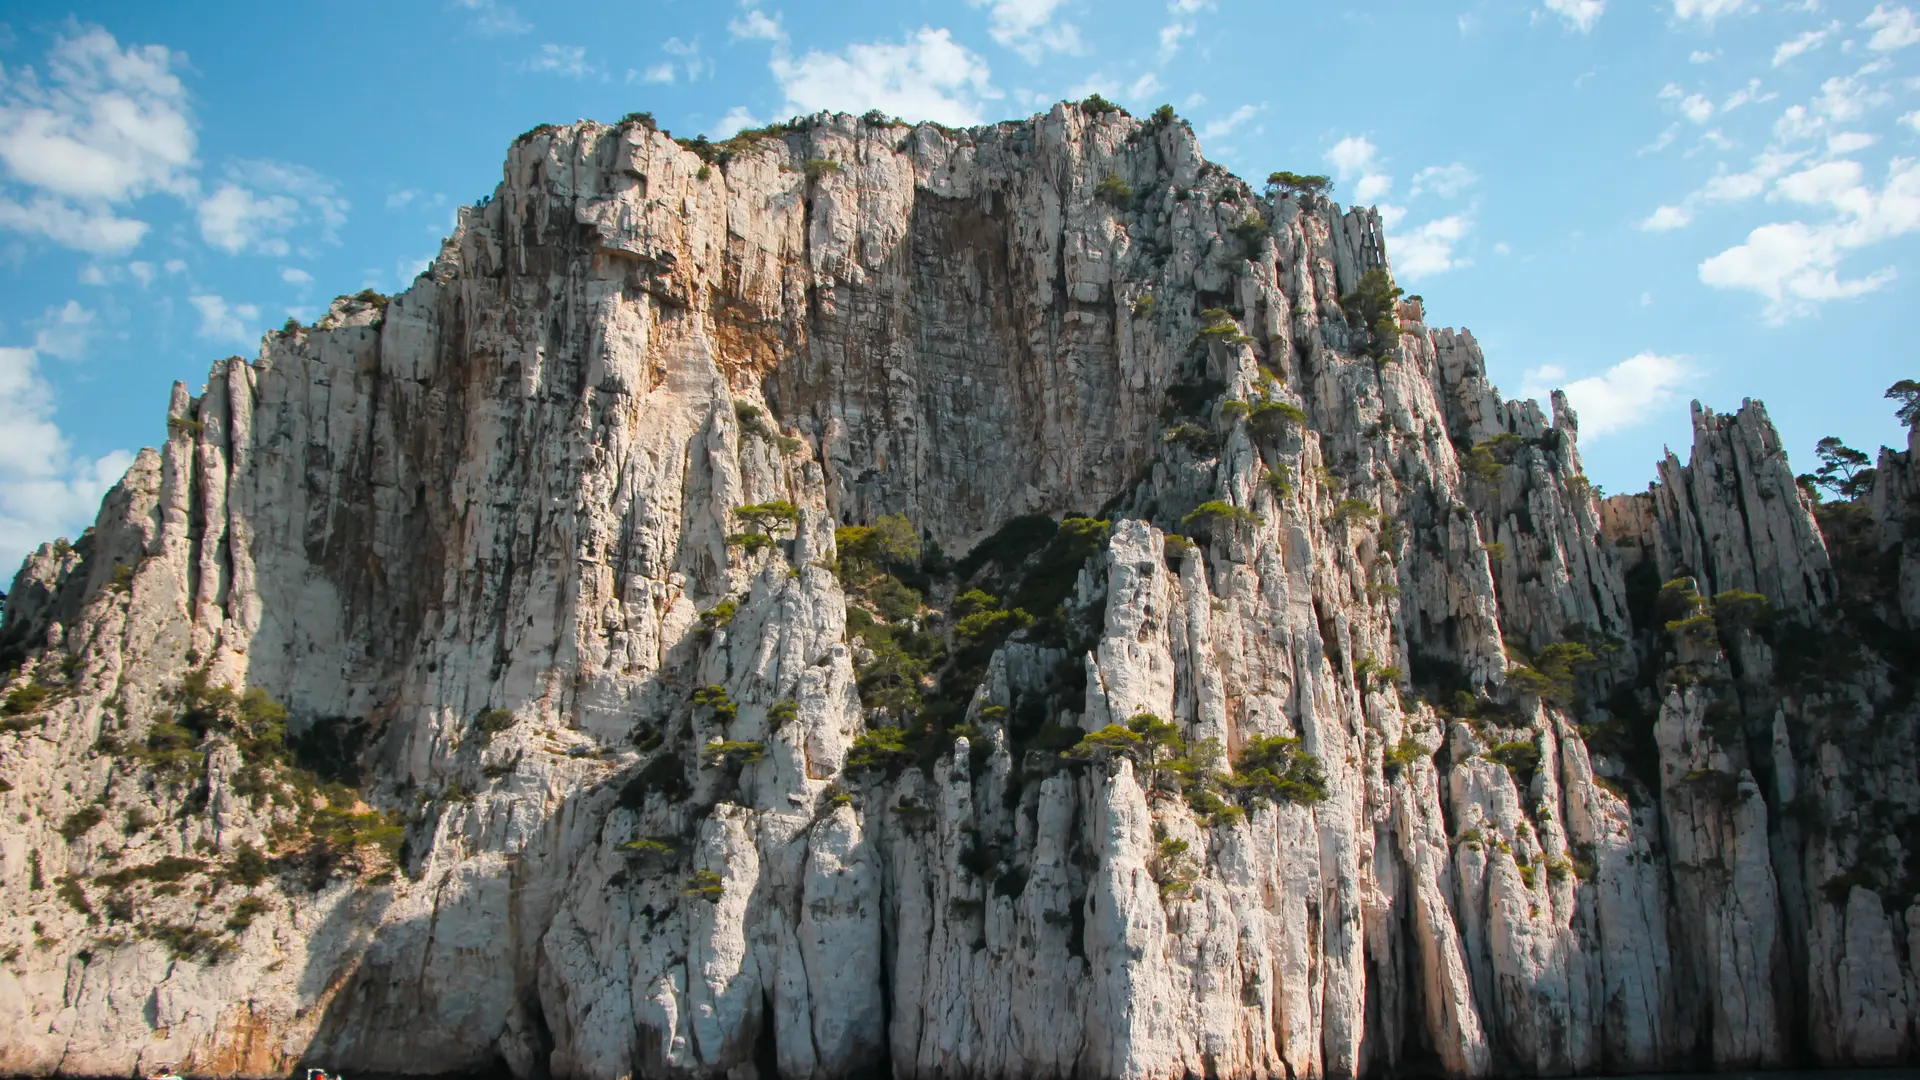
<point x="620" y="807"/>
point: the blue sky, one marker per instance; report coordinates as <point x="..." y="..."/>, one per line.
<point x="1644" y="201"/>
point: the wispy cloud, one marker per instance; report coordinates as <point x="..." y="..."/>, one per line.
<point x="1580" y="15"/>
<point x="568" y="61"/>
<point x="104" y="127"/>
<point x="926" y="76"/>
<point x="494" y="17"/>
<point x="1796" y="265"/>
<point x="1623" y="396"/>
<point x="1893" y="26"/>
<point x="224" y="321"/>
<point x="1030" y="27"/>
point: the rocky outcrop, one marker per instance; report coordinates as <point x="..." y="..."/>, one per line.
<point x="537" y="669"/>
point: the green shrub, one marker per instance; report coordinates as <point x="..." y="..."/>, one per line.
<point x="1480" y="462"/>
<point x="1402" y="754"/>
<point x="720" y="615"/>
<point x="1521" y="758"/>
<point x="865" y="549"/>
<point x="1739" y="609"/>
<point x="164" y="870"/>
<point x="1197" y="440"/>
<point x="782" y="713"/>
<point x="819" y="167"/>
<point x="26" y="699"/>
<point x="246" y="911"/>
<point x="880" y="750"/>
<point x="81" y="822"/>
<point x="1214" y="511"/>
<point x="1113" y="189"/>
<point x="1097" y="106"/>
<point x="769" y="517"/>
<point x="249" y="867"/>
<point x="1251" y="229"/>
<point x="1496" y="551"/>
<point x="713" y="696"/>
<point x="1279" y="480"/>
<point x="491" y="722"/>
<point x="1219" y="323"/>
<point x="1351" y="511"/>
<point x="190" y="944"/>
<point x="1143" y="306"/>
<point x="893" y="599"/>
<point x="705" y="885"/>
<point x="1295" y="184"/>
<point x="1177" y="546"/>
<point x="1371" y="307"/>
<point x="71" y="891"/>
<point x="1273" y="419"/>
<point x="1275" y="767"/>
<point x="731" y="754"/>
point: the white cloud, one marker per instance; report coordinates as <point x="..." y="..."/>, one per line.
<point x="492" y="17"/>
<point x="755" y="25"/>
<point x="96" y="229"/>
<point x="1893" y="26"/>
<point x="399" y="199"/>
<point x="1171" y="35"/>
<point x="1701" y="56"/>
<point x="1028" y="27"/>
<point x="1707" y="10"/>
<point x="64" y="331"/>
<point x="1912" y="120"/>
<point x="222" y="321"/>
<point x="293" y="275"/>
<point x="567" y="61"/>
<point x="1668" y="217"/>
<point x="1189" y="7"/>
<point x="1724" y="187"/>
<point x="738" y="119"/>
<point x="1694" y="107"/>
<point x="261" y="200"/>
<point x="662" y="72"/>
<point x="234" y="219"/>
<point x="1799" y="45"/>
<point x="1144" y="86"/>
<point x="105" y="127"/>
<point x="1747" y="95"/>
<point x="928" y="76"/>
<point x="1841" y="143"/>
<point x="44" y="490"/>
<point x="1445" y="181"/>
<point x="1353" y="157"/>
<point x="1428" y="250"/>
<point x="1796" y="265"/>
<point x="1230" y="123"/>
<point x="1580" y="15"/>
<point x="1625" y="395"/>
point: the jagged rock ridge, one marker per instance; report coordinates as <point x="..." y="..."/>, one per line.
<point x="1437" y="762"/>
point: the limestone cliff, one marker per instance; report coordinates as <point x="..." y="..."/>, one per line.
<point x="1008" y="602"/>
